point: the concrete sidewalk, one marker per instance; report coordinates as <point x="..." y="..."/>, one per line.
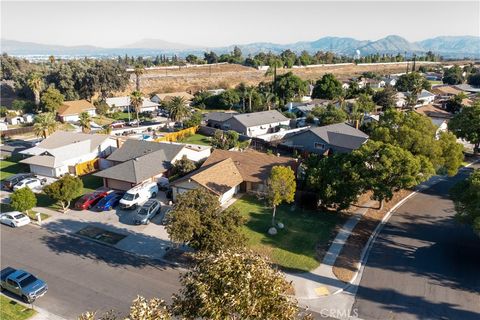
<point x="321" y="281"/>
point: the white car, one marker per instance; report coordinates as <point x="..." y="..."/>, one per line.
<point x="14" y="219"/>
<point x="31" y="183"/>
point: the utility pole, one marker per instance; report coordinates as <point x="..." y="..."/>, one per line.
<point x="414" y="58"/>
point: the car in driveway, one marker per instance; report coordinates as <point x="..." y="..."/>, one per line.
<point x="148" y="210"/>
<point x="31" y="183"/>
<point x="109" y="202"/>
<point x="89" y="200"/>
<point x="133" y="123"/>
<point x="23" y="284"/>
<point x="138" y="195"/>
<point x="117" y="124"/>
<point x="10" y="182"/>
<point x="14" y="219"/>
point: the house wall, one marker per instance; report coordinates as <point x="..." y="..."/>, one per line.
<point x="234" y="124"/>
<point x="117" y="184"/>
<point x="182" y="187"/>
<point x="229" y="194"/>
<point x="193" y="155"/>
<point x="76" y="117"/>
<point x="306" y="141"/>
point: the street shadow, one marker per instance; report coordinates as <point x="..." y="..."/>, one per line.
<point x="391" y="304"/>
<point x="63" y="240"/>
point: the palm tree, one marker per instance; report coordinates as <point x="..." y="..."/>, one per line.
<point x="178" y="109"/>
<point x="45" y="124"/>
<point x="411" y="100"/>
<point x="250" y="91"/>
<point x="35" y="83"/>
<point x="270" y="100"/>
<point x="138" y="72"/>
<point x="136" y="100"/>
<point x="85" y="120"/>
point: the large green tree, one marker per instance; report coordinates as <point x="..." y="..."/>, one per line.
<point x="85" y="119"/>
<point x="23" y="199"/>
<point x="234" y="285"/>
<point x="388" y="168"/>
<point x="328" y="87"/>
<point x="225" y="140"/>
<point x="35" y="83"/>
<point x="281" y="187"/>
<point x="412" y="82"/>
<point x="64" y="190"/>
<point x="198" y="220"/>
<point x="466" y="197"/>
<point x="417" y="134"/>
<point x="453" y="75"/>
<point x="466" y="125"/>
<point x="385" y="97"/>
<point x="336" y="179"/>
<point x="51" y="99"/>
<point x="178" y="109"/>
<point x="289" y="86"/>
<point x="329" y="115"/>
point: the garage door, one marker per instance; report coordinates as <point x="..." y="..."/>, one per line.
<point x="42" y="171"/>
<point x="118" y="185"/>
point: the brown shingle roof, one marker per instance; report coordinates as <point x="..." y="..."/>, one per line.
<point x="219" y="177"/>
<point x="254" y="166"/>
<point x="74" y="107"/>
<point x="430" y="110"/>
<point x="445" y="90"/>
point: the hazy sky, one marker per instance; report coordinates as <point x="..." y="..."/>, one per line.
<point x="111" y="24"/>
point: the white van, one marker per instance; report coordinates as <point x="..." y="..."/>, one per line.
<point x="139" y="195"/>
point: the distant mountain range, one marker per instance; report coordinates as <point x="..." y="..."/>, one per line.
<point x="447" y="46"/>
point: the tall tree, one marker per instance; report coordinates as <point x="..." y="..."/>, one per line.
<point x="84" y="119"/>
<point x="289" y="86"/>
<point x="44" y="124"/>
<point x="178" y="108"/>
<point x="23" y="199"/>
<point x="388" y="168"/>
<point x="281" y="187"/>
<point x="138" y="71"/>
<point x="386" y="97"/>
<point x="234" y="285"/>
<point x="466" y="125"/>
<point x="453" y="75"/>
<point x="136" y="101"/>
<point x="197" y="219"/>
<point x="52" y="99"/>
<point x="466" y="197"/>
<point x="329" y="115"/>
<point x="328" y="87"/>
<point x="35" y="83"/>
<point x="412" y="82"/>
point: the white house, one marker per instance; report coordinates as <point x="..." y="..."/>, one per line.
<point x="28" y="117"/>
<point x="123" y="104"/>
<point x="14" y="120"/>
<point x="70" y="111"/>
<point x="426" y="97"/>
<point x="68" y="152"/>
<point x="401" y="100"/>
<point x="257" y="123"/>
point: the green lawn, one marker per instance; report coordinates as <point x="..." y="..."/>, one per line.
<point x="11" y="310"/>
<point x="435" y="82"/>
<point x="293" y="248"/>
<point x="91" y="183"/>
<point x="197" y="139"/>
<point x="10" y="167"/>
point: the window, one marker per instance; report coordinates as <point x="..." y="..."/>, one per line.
<point x="319" y="145"/>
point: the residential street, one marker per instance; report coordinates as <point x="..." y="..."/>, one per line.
<point x="423" y="265"/>
<point x="83" y="275"/>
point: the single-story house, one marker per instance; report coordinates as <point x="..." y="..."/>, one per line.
<point x="166" y="97"/>
<point x="401" y="99"/>
<point x="139" y="161"/>
<point x="68" y="152"/>
<point x="14" y="119"/>
<point x="123" y="104"/>
<point x="334" y="138"/>
<point x="28" y="117"/>
<point x="226" y="173"/>
<point x="216" y="119"/>
<point x="257" y="123"/>
<point x="426" y="97"/>
<point x="445" y="91"/>
<point x="388" y="81"/>
<point x="70" y="111"/>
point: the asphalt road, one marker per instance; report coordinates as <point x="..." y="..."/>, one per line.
<point x="83" y="275"/>
<point x="423" y="265"/>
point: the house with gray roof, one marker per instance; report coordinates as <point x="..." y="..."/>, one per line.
<point x="216" y="119"/>
<point x="65" y="152"/>
<point x="257" y="123"/>
<point x="334" y="138"/>
<point x="138" y="161"/>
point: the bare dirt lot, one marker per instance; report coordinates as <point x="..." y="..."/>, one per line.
<point x="230" y="75"/>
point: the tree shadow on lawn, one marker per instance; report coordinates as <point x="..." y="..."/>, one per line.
<point x="62" y="240"/>
<point x="305" y="231"/>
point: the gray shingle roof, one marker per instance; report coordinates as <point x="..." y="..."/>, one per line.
<point x="61" y="138"/>
<point x="259" y="118"/>
<point x="132" y="149"/>
<point x="341" y="135"/>
<point x="219" y="116"/>
<point x="139" y="169"/>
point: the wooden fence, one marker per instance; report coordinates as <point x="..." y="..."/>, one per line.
<point x="179" y="135"/>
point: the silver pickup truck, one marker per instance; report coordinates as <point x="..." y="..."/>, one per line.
<point x="23" y="284"/>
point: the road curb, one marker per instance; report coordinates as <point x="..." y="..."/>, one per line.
<point x="383" y="222"/>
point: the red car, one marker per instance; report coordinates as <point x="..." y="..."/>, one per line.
<point x="89" y="200"/>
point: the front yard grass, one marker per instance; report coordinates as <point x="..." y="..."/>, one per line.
<point x="197" y="139"/>
<point x="294" y="248"/>
<point x="11" y="166"/>
<point x="11" y="310"/>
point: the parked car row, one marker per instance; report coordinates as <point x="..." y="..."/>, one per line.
<point x="23" y="180"/>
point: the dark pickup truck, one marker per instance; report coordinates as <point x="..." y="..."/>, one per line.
<point x="23" y="284"/>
